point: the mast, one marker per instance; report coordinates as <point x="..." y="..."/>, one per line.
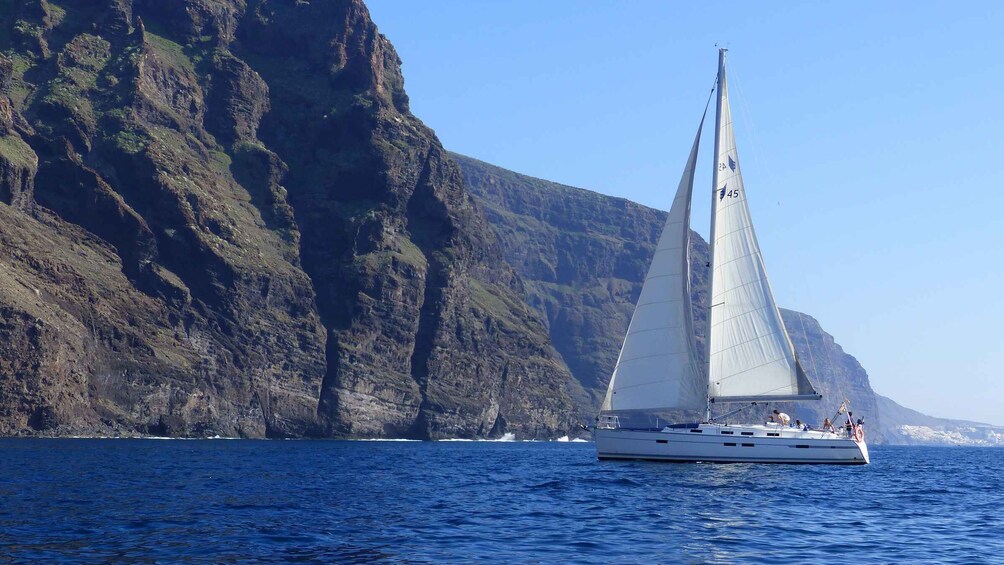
<point x="711" y="239"/>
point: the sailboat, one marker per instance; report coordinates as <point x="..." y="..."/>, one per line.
<point x="750" y="358"/>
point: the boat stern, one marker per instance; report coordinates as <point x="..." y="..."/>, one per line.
<point x="863" y="448"/>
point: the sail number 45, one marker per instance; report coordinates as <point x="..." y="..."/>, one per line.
<point x="732" y="193"/>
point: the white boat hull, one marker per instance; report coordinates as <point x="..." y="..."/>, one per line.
<point x="722" y="443"/>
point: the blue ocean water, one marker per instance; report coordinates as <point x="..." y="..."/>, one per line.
<point x="411" y="502"/>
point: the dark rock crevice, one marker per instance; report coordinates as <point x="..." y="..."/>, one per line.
<point x="427" y="222"/>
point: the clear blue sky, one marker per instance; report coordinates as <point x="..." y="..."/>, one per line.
<point x="870" y="135"/>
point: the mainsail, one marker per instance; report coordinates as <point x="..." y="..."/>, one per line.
<point x="750" y="354"/>
<point x="658" y="367"/>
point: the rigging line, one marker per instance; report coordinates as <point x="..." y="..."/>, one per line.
<point x="746" y="313"/>
<point x="660" y="328"/>
<point x="847" y="408"/>
<point x="730" y="261"/>
<point x="761" y="393"/>
<point x="707" y="104"/>
<point x="665" y="249"/>
<point x="758" y="153"/>
<point x="735" y="231"/>
<point x="751" y="126"/>
<point x="734" y="375"/>
<point x="751" y="340"/>
<point x="663" y="276"/>
<point x="768" y="176"/>
<point x="636" y="385"/>
<point x="733" y="412"/>
<point x="657" y="302"/>
<point x="808" y="345"/>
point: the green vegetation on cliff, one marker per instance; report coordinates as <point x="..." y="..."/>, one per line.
<point x="220" y="217"/>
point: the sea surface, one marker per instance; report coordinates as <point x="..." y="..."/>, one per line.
<point x="202" y="501"/>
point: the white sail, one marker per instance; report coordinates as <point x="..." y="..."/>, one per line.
<point x="658" y="367"/>
<point x="750" y="354"/>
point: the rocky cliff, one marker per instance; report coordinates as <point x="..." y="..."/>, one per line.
<point x="583" y="257"/>
<point x="220" y="217"/>
<point x="904" y="426"/>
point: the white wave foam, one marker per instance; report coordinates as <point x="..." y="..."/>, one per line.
<point x="505" y="438"/>
<point x="565" y="439"/>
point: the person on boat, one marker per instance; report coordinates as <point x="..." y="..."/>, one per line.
<point x="828" y="426"/>
<point x="781" y="418"/>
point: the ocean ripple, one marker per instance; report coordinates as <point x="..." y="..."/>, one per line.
<point x="418" y="502"/>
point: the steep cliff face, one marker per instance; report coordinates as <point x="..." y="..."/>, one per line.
<point x="159" y="301"/>
<point x="583" y="257"/>
<point x="221" y="217"/>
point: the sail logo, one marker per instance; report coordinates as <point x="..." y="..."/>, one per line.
<point x="721" y="193"/>
<point x="732" y="164"/>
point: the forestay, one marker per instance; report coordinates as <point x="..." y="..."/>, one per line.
<point x="750" y="354"/>
<point x="658" y="367"/>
